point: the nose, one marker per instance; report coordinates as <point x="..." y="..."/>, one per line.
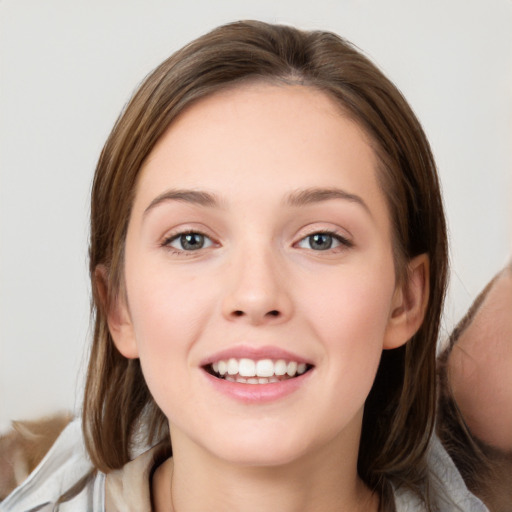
<point x="257" y="292"/>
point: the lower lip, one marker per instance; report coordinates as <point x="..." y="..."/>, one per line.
<point x="257" y="393"/>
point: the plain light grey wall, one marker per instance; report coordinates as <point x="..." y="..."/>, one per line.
<point x="68" y="67"/>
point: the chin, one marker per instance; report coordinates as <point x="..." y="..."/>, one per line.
<point x="264" y="448"/>
<point x="261" y="456"/>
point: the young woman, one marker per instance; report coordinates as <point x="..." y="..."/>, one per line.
<point x="268" y="259"/>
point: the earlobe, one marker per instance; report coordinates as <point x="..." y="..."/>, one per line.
<point x="117" y="314"/>
<point x="409" y="304"/>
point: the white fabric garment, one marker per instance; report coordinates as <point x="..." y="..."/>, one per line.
<point x="62" y="467"/>
<point x="128" y="489"/>
<point x="450" y="491"/>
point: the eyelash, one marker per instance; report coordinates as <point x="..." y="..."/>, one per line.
<point x="343" y="241"/>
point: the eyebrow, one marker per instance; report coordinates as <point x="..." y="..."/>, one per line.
<point x="197" y="197"/>
<point x="317" y="195"/>
<point x="296" y="199"/>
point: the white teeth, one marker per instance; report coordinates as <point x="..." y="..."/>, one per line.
<point x="223" y="367"/>
<point x="247" y="368"/>
<point x="291" y="370"/>
<point x="265" y="368"/>
<point x="232" y="366"/>
<point x="280" y="367"/>
<point x="262" y="371"/>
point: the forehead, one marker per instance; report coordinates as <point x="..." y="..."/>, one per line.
<point x="263" y="138"/>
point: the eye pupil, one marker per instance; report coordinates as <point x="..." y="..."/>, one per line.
<point x="320" y="241"/>
<point x="192" y="241"/>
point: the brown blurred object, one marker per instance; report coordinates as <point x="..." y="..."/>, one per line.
<point x="475" y="402"/>
<point x="22" y="448"/>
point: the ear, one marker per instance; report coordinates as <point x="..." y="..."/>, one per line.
<point x="118" y="316"/>
<point x="410" y="302"/>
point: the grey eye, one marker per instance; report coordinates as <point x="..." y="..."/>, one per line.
<point x="320" y="241"/>
<point x="323" y="241"/>
<point x="190" y="242"/>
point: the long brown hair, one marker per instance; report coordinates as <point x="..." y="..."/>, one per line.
<point x="400" y="410"/>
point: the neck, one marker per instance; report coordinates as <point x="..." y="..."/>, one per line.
<point x="325" y="481"/>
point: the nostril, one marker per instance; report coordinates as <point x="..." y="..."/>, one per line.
<point x="238" y="313"/>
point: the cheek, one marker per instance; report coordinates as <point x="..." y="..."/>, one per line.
<point x="168" y="316"/>
<point x="350" y="313"/>
<point x="353" y="301"/>
<point x="166" y="306"/>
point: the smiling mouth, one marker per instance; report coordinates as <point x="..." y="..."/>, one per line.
<point x="261" y="371"/>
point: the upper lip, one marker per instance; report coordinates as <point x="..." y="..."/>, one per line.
<point x="255" y="353"/>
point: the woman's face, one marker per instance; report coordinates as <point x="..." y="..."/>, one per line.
<point x="259" y="242"/>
